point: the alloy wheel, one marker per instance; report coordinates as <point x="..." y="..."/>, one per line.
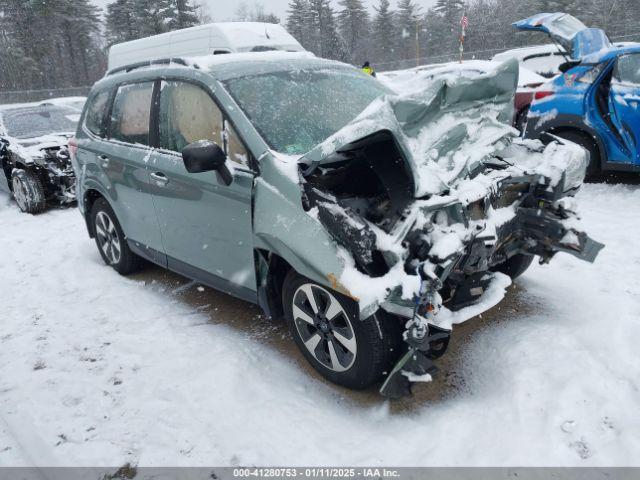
<point x="108" y="237"/>
<point x="324" y="327"/>
<point x="20" y="193"/>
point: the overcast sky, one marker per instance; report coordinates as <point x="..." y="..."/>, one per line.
<point x="224" y="9"/>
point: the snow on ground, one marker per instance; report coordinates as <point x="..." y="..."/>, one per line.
<point x="97" y="369"/>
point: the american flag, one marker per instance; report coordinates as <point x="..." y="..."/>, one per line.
<point x="464" y="21"/>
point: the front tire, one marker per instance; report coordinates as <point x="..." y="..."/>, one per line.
<point x="515" y="266"/>
<point x="111" y="241"/>
<point x="327" y="329"/>
<point x="28" y="191"/>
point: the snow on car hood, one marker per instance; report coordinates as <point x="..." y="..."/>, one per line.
<point x="443" y="131"/>
<point x="32" y="148"/>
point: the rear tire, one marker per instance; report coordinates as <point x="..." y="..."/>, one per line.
<point x="594" y="169"/>
<point x="363" y="350"/>
<point x="111" y="241"/>
<point x="515" y="266"/>
<point x="28" y="191"/>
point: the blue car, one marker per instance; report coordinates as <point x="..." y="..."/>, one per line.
<point x="596" y="100"/>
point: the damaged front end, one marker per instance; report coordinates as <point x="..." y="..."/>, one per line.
<point x="426" y="209"/>
<point x="56" y="165"/>
<point x="51" y="162"/>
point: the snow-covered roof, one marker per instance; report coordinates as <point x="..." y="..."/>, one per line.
<point x="239" y="64"/>
<point x="209" y="62"/>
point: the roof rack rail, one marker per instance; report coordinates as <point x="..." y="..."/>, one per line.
<point x="147" y="63"/>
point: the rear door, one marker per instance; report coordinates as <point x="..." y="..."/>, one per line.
<point x="624" y="101"/>
<point x="124" y="160"/>
<point x="206" y="225"/>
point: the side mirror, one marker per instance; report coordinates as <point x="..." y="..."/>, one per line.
<point x="206" y="156"/>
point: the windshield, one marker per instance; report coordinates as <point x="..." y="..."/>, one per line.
<point x="296" y="110"/>
<point x="39" y="121"/>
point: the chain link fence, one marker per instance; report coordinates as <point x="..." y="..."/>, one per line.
<point x="26" y="96"/>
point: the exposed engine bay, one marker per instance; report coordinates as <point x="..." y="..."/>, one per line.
<point x="427" y="219"/>
<point x="450" y="247"/>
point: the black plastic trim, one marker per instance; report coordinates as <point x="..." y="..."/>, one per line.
<point x="213" y="281"/>
<point x="147" y="253"/>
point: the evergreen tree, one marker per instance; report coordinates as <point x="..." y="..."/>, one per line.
<point x="384" y="32"/>
<point x="299" y="22"/>
<point x="58" y="39"/>
<point x="152" y="16"/>
<point x="121" y="22"/>
<point x="354" y="26"/>
<point x="324" y="38"/>
<point x="133" y="19"/>
<point x="184" y="15"/>
<point x="408" y="20"/>
<point x="450" y="13"/>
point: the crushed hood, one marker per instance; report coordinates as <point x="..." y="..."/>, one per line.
<point x="468" y="120"/>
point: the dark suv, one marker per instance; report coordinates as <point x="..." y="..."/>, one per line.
<point x="34" y="156"/>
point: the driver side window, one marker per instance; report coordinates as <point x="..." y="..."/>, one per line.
<point x="188" y="114"/>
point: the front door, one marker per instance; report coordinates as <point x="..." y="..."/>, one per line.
<point x="624" y="101"/>
<point x="206" y="225"/>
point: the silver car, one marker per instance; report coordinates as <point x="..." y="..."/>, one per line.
<point x="371" y="221"/>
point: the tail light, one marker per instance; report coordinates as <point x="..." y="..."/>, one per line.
<point x="540" y="94"/>
<point x="73" y="147"/>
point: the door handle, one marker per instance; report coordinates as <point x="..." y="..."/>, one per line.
<point x="160" y="178"/>
<point x="104" y="161"/>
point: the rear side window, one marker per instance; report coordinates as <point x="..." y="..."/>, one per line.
<point x="130" y="113"/>
<point x="95" y="114"/>
<point x="628" y="69"/>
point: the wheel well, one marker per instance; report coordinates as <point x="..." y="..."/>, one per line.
<point x="272" y="273"/>
<point x="90" y="198"/>
<point x="584" y="134"/>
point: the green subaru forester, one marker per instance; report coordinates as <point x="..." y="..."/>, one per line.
<point x="371" y="220"/>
